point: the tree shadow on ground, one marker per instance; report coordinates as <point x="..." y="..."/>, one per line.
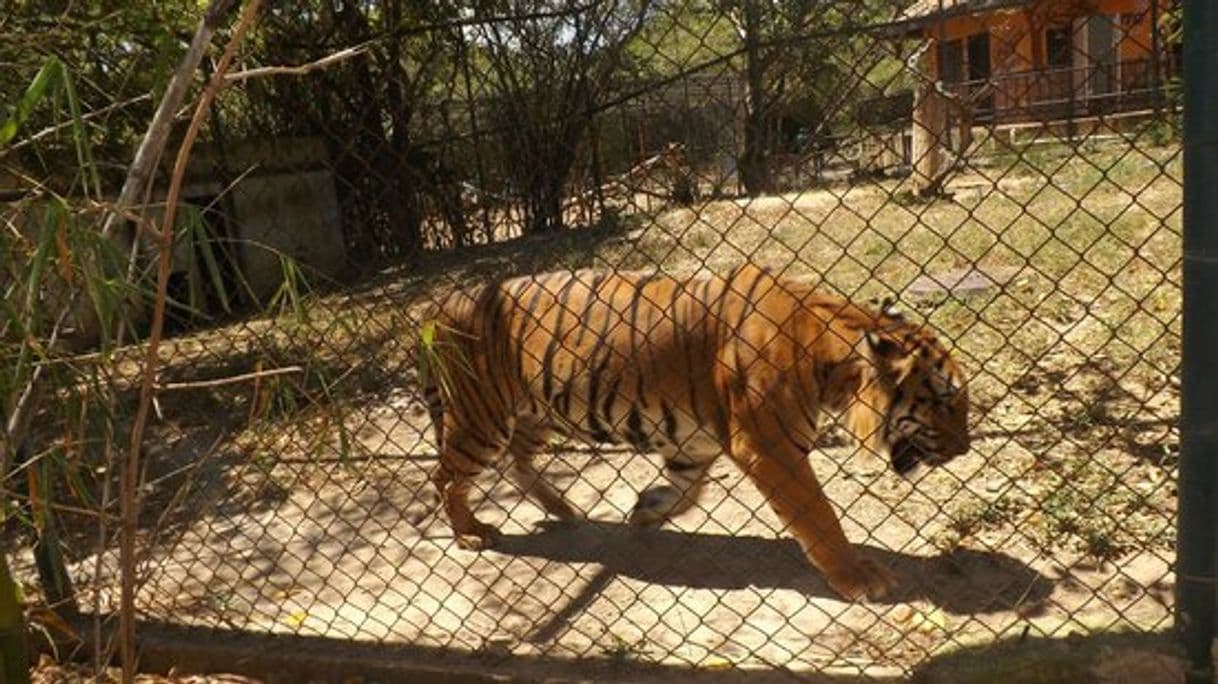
<point x="964" y="581"/>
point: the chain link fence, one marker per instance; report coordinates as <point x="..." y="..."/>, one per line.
<point x="1010" y="173"/>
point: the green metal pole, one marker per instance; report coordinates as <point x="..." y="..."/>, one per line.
<point x="14" y="663"/>
<point x="1197" y="553"/>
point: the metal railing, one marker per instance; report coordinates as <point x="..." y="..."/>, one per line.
<point x="1070" y="92"/>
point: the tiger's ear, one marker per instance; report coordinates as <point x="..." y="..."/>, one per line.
<point x="889" y="308"/>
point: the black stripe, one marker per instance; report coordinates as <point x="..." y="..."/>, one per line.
<point x="467" y="455"/>
<point x="670" y="421"/>
<point x="682" y="467"/>
<point x="634" y="429"/>
<point x="637" y="297"/>
<point x="478" y="439"/>
<point x="475" y="405"/>
<point x="804" y="400"/>
<point x="448" y="467"/>
<point x="556" y="337"/>
<point x="728" y="289"/>
<point x="589" y="307"/>
<point x="494" y="338"/>
<point x="538" y="290"/>
<point x="594" y="382"/>
<point x="791" y="437"/>
<point x="633" y="315"/>
<point x="563" y="401"/>
<point x="526" y="319"/>
<point x="607" y="411"/>
<point x="748" y="299"/>
<point x="687" y="333"/>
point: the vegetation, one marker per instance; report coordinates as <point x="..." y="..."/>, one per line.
<point x="454" y="120"/>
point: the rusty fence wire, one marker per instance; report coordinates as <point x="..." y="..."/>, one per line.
<point x="540" y="219"/>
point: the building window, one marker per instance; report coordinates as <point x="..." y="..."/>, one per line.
<point x="1059" y="47"/>
<point x="978" y="56"/>
<point x="952" y="61"/>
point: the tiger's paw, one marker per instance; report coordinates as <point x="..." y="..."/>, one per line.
<point x="481" y="537"/>
<point x="654" y="506"/>
<point x="864" y="579"/>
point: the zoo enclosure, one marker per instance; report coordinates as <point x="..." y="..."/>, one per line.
<point x="683" y="137"/>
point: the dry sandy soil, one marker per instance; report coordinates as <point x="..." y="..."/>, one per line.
<point x="356" y="552"/>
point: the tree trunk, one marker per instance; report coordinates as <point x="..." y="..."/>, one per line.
<point x="754" y="165"/>
<point x="405" y="205"/>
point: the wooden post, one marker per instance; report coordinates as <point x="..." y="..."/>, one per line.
<point x="930" y="133"/>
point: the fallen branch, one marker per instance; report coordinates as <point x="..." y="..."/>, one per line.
<point x="298" y="70"/>
<point x="231" y="380"/>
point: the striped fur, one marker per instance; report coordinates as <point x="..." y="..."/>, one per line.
<point x="745" y="365"/>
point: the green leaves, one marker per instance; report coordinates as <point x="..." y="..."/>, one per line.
<point x="48" y="79"/>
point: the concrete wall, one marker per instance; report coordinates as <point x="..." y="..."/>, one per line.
<point x="290" y="214"/>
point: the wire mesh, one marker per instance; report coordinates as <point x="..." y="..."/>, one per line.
<point x="1009" y="173"/>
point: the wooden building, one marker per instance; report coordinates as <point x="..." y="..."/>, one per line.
<point x="1043" y="62"/>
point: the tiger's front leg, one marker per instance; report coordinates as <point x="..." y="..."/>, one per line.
<point x="783" y="474"/>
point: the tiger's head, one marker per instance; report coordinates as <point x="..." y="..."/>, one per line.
<point x="924" y="405"/>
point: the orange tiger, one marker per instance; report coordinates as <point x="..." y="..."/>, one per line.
<point x="743" y="365"/>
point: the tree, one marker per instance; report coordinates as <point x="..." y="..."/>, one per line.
<point x="818" y="56"/>
<point x="375" y="112"/>
<point x="548" y="67"/>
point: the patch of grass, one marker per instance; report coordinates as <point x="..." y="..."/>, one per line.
<point x="622" y="650"/>
<point x="1098" y="512"/>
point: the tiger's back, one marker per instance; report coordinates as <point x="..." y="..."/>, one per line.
<point x="610" y="358"/>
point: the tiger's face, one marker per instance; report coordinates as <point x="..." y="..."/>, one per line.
<point x="927" y="417"/>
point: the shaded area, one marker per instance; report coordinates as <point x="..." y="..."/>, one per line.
<point x="1107" y="658"/>
<point x="714" y="561"/>
<point x="282" y="658"/>
<point x="1145" y="658"/>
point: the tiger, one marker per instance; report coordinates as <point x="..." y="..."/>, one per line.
<point x="746" y="364"/>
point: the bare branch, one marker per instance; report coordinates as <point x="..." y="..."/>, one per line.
<point x="87" y="117"/>
<point x="231" y="380"/>
<point x="301" y="69"/>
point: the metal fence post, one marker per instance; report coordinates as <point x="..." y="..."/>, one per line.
<point x="1198" y="512"/>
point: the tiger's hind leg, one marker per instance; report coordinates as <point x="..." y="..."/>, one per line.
<point x="527" y="441"/>
<point x="684" y="477"/>
<point x="462" y="458"/>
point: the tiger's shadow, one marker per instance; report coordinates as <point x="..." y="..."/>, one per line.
<point x="963" y="581"/>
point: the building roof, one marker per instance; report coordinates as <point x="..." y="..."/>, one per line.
<point x="922" y="12"/>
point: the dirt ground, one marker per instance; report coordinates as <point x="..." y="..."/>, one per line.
<point x="354" y="551"/>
